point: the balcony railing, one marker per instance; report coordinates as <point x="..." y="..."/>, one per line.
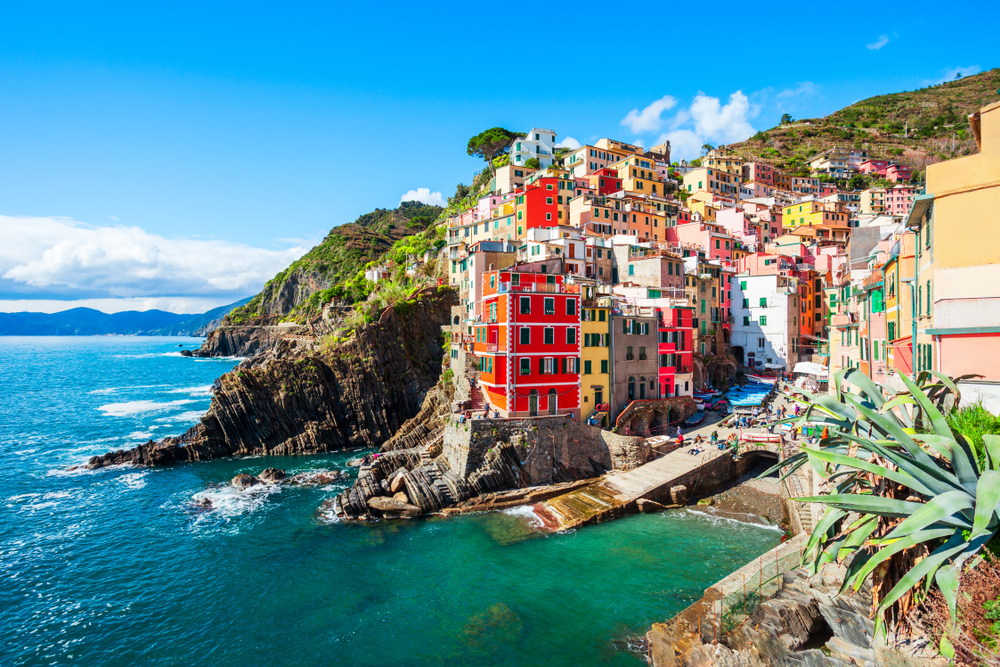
<point x="491" y="347"/>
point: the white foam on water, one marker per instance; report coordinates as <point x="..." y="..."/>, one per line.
<point x="525" y="512"/>
<point x="140" y="435"/>
<point x="718" y="520"/>
<point x="230" y="502"/>
<point x="133" y="480"/>
<point x="220" y="358"/>
<point x="189" y="416"/>
<point x="203" y="390"/>
<point x="139" y="407"/>
<point x="169" y="354"/>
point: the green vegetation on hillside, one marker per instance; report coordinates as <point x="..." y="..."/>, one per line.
<point x="337" y="263"/>
<point x="912" y="127"/>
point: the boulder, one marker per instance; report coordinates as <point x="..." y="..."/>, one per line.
<point x="271" y="475"/>
<point x="647" y="506"/>
<point x="391" y="508"/>
<point x="401" y="497"/>
<point x="396" y="483"/>
<point x="243" y="481"/>
<point x="317" y="477"/>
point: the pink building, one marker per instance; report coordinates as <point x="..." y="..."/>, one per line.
<point x="737" y="223"/>
<point x="899" y="200"/>
<point x="898" y="173"/>
<point x="874" y="167"/>
<point x="711" y="238"/>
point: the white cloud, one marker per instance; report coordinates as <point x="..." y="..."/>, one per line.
<point x="878" y="43"/>
<point x="949" y="74"/>
<point x="171" y="304"/>
<point x="708" y="120"/>
<point x="425" y="196"/>
<point x="649" y="119"/>
<point x="45" y="257"/>
<point x="640" y="143"/>
<point x="568" y="142"/>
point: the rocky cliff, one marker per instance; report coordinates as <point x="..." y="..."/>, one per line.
<point x="305" y="395"/>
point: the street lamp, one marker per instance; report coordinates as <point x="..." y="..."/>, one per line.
<point x="912" y="282"/>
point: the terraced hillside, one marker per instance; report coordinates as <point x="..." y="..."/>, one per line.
<point x="912" y="127"/>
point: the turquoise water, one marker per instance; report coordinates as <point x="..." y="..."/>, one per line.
<point x="116" y="566"/>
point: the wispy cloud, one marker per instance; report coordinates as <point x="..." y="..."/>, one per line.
<point x="803" y="90"/>
<point x="46" y="258"/>
<point x="650" y="119"/>
<point x="568" y="142"/>
<point x="425" y="196"/>
<point x="951" y="73"/>
<point x="878" y="43"/>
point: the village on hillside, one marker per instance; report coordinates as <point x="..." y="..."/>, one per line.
<point x="596" y="277"/>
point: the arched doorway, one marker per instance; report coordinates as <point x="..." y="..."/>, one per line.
<point x="455" y="320"/>
<point x="533" y="403"/>
<point x="631" y="389"/>
<point x="552" y="401"/>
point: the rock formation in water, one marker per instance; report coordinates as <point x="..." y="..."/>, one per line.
<point x="304" y="394"/>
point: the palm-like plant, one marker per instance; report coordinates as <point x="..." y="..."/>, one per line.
<point x="908" y="502"/>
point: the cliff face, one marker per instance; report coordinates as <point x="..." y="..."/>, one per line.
<point x="301" y="396"/>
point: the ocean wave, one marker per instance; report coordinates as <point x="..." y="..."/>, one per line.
<point x="133" y="480"/>
<point x="189" y="416"/>
<point x="718" y="519"/>
<point x="112" y="390"/>
<point x="139" y="435"/>
<point x="193" y="391"/>
<point x="139" y="407"/>
<point x="220" y="358"/>
<point x="525" y="512"/>
<point x="231" y="502"/>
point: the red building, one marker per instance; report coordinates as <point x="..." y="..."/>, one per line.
<point x="606" y="181"/>
<point x="675" y="347"/>
<point x="537" y="206"/>
<point x="528" y="344"/>
<point x="874" y="167"/>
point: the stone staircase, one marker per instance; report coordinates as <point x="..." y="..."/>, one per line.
<point x="478" y="400"/>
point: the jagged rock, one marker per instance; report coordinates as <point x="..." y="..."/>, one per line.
<point x="243" y="481"/>
<point x="401" y="497"/>
<point x="307" y="399"/>
<point x="397" y="485"/>
<point x="392" y="508"/>
<point x="649" y="506"/>
<point x="271" y="475"/>
<point x="317" y="477"/>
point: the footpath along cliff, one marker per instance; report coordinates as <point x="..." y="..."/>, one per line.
<point x="306" y="392"/>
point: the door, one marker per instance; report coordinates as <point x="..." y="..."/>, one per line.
<point x="533" y="403"/>
<point x="552" y="401"/>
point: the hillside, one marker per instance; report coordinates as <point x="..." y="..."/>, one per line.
<point x="87" y="322"/>
<point x="912" y="127"/>
<point x="334" y="263"/>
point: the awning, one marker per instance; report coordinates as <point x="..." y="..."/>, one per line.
<point x="810" y="368"/>
<point x="774" y="366"/>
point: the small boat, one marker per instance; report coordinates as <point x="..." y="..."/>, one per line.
<point x="694" y="419"/>
<point x="762" y="379"/>
<point x="720" y="404"/>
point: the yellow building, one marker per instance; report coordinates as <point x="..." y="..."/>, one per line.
<point x="731" y="164"/>
<point x="957" y="226"/>
<point x="595" y="381"/>
<point x="713" y="181"/>
<point x="639" y="175"/>
<point x="811" y="213"/>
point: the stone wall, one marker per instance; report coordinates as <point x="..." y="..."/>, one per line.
<point x="552" y="448"/>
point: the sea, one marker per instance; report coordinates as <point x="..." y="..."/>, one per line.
<point x="123" y="566"/>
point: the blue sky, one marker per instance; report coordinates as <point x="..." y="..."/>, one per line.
<point x="179" y="156"/>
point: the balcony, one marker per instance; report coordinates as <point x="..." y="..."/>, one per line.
<point x="491" y="347"/>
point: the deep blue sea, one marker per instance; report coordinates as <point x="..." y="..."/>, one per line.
<point x="119" y="567"/>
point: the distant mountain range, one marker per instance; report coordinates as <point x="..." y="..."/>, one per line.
<point x="90" y="322"/>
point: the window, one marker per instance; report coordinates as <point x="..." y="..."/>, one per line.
<point x="570" y="336"/>
<point x="525" y="366"/>
<point x="586" y="368"/>
<point x="743" y="285"/>
<point x="547" y="365"/>
<point x="525" y="305"/>
<point x="746" y="303"/>
<point x="548" y="200"/>
<point x="604" y="366"/>
<point x="631" y="269"/>
<point x="550" y="305"/>
<point x="549" y="336"/>
<point x="928" y="297"/>
<point x="571" y="306"/>
<point x="525" y="334"/>
<point x="629" y="356"/>
<point x="642" y="352"/>
<point x="763" y="302"/>
<point x="763" y="320"/>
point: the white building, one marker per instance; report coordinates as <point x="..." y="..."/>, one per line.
<point x="765" y="319"/>
<point x="539" y="144"/>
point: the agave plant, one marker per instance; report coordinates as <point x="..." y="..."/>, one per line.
<point x="908" y="501"/>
